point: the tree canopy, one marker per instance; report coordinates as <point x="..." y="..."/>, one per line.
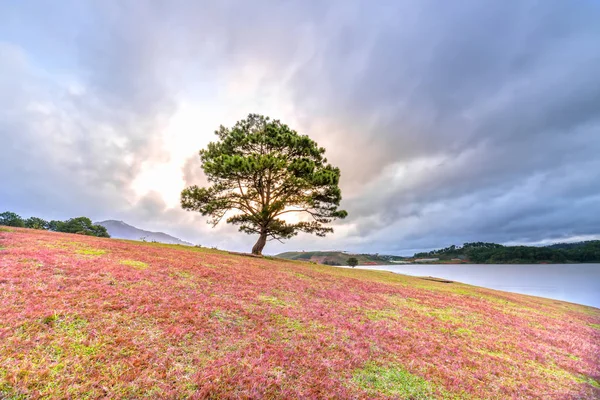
<point x="36" y="223"/>
<point x="80" y="225"/>
<point x="352" y="262"/>
<point x="258" y="171"/>
<point x="9" y="218"/>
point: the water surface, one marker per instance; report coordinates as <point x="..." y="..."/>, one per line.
<point x="576" y="283"/>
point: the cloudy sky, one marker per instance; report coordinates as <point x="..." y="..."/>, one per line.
<point x="451" y="121"/>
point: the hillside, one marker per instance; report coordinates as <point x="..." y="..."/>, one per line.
<point x="338" y="257"/>
<point x="492" y="253"/>
<point x="86" y="317"/>
<point x="121" y="230"/>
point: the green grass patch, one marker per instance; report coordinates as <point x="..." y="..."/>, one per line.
<point x="589" y="381"/>
<point x="381" y="315"/>
<point x="135" y="264"/>
<point x="183" y="274"/>
<point x="3" y="229"/>
<point x="463" y="332"/>
<point x="494" y="354"/>
<point x="50" y="319"/>
<point x="70" y="337"/>
<point x="553" y="372"/>
<point x="288" y="323"/>
<point x="596" y="326"/>
<point x="72" y="327"/>
<point x="273" y="301"/>
<point x="392" y="380"/>
<point x="287" y="329"/>
<point x="91" y="252"/>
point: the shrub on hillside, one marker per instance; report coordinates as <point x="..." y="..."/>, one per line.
<point x="8" y="218"/>
<point x="79" y="225"/>
<point x="36" y="223"/>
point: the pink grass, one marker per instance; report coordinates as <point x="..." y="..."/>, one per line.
<point x="103" y="318"/>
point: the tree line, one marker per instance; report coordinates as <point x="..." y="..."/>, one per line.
<point x="79" y="225"/>
<point x="493" y="253"/>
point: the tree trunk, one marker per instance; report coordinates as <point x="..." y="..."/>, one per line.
<point x="260" y="244"/>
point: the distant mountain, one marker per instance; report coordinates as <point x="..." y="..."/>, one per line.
<point x="121" y="230"/>
<point x="339" y="257"/>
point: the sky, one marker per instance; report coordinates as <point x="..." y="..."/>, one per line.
<point x="450" y="121"/>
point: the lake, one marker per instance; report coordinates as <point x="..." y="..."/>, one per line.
<point x="575" y="283"/>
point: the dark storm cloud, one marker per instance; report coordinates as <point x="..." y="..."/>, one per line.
<point x="451" y="122"/>
<point x="493" y="95"/>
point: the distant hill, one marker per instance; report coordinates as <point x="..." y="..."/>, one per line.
<point x="339" y="257"/>
<point x="574" y="245"/>
<point x="121" y="230"/>
<point x="477" y="253"/>
<point x="493" y="253"/>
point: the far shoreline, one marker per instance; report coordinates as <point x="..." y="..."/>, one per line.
<point x="580" y="285"/>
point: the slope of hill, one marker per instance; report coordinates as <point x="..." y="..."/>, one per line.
<point x="121" y="230"/>
<point x="338" y="257"/>
<point x="85" y="317"/>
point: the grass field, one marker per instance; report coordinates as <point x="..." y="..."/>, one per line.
<point x="83" y="317"/>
